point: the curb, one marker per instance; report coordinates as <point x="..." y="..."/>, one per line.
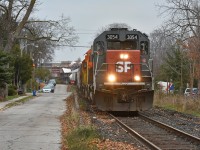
<point x="3" y="104"/>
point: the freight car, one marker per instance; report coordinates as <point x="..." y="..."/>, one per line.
<point x="116" y="74"/>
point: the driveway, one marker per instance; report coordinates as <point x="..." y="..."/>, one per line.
<point x="34" y="125"/>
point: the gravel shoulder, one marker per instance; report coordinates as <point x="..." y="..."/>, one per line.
<point x="114" y="137"/>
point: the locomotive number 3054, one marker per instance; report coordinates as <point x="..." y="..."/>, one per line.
<point x="112" y="36"/>
<point x="131" y="36"/>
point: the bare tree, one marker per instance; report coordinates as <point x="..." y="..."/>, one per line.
<point x="59" y="33"/>
<point x="160" y="44"/>
<point x="13" y="22"/>
<point x="16" y="24"/>
<point x="17" y="27"/>
<point x="193" y="53"/>
<point x="184" y="19"/>
<point x="43" y="52"/>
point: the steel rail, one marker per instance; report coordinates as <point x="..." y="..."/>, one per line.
<point x="146" y="142"/>
<point x="170" y="128"/>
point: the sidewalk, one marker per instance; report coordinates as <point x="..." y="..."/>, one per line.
<point x="3" y="104"/>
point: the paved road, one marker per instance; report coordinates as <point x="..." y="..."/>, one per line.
<point x="34" y="125"/>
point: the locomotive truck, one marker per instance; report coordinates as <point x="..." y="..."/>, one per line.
<point x="116" y="74"/>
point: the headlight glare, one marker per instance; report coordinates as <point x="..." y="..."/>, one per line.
<point x="137" y="78"/>
<point x="111" y="78"/>
<point x="123" y="56"/>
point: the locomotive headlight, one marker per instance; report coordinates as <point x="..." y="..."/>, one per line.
<point x="111" y="78"/>
<point x="123" y="56"/>
<point x="137" y="78"/>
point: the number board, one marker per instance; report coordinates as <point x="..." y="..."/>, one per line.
<point x="112" y="36"/>
<point x="131" y="36"/>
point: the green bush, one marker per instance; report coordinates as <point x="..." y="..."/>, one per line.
<point x="12" y="90"/>
<point x="80" y="138"/>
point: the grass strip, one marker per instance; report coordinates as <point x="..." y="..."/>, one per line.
<point x="81" y="138"/>
<point x="18" y="102"/>
<point x="75" y="134"/>
<point x="187" y="105"/>
<point x="11" y="97"/>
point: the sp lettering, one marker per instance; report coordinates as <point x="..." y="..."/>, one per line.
<point x="122" y="66"/>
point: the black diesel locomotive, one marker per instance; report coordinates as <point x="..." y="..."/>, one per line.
<point x="116" y="73"/>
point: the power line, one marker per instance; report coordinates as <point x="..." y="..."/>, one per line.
<point x="93" y="30"/>
<point x="85" y="33"/>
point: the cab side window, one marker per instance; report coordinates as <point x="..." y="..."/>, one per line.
<point x="144" y="47"/>
<point x="100" y="47"/>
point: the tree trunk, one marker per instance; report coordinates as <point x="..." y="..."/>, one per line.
<point x="191" y="76"/>
<point x="10" y="43"/>
<point x="1" y="43"/>
<point x="14" y="35"/>
<point x="25" y="18"/>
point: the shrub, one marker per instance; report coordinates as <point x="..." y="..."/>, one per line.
<point x="185" y="104"/>
<point x="12" y="90"/>
<point x="81" y="138"/>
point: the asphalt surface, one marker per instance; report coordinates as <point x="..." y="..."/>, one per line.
<point x="34" y="125"/>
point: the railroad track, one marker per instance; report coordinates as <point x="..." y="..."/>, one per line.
<point x="156" y="135"/>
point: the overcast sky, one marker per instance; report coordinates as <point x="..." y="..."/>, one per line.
<point x="89" y="16"/>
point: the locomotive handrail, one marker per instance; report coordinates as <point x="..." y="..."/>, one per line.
<point x="124" y="83"/>
<point x="145" y="64"/>
<point x="95" y="73"/>
<point x="101" y="67"/>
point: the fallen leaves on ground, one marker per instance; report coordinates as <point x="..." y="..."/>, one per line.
<point x="85" y="120"/>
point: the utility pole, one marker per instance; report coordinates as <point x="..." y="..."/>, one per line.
<point x="24" y="47"/>
<point x="181" y="87"/>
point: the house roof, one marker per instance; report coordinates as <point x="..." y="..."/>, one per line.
<point x="66" y="70"/>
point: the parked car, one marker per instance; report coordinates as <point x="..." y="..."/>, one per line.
<point x="48" y="88"/>
<point x="53" y="81"/>
<point x="194" y="91"/>
<point x="20" y="91"/>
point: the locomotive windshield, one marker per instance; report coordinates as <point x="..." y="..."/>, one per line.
<point x="120" y="45"/>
